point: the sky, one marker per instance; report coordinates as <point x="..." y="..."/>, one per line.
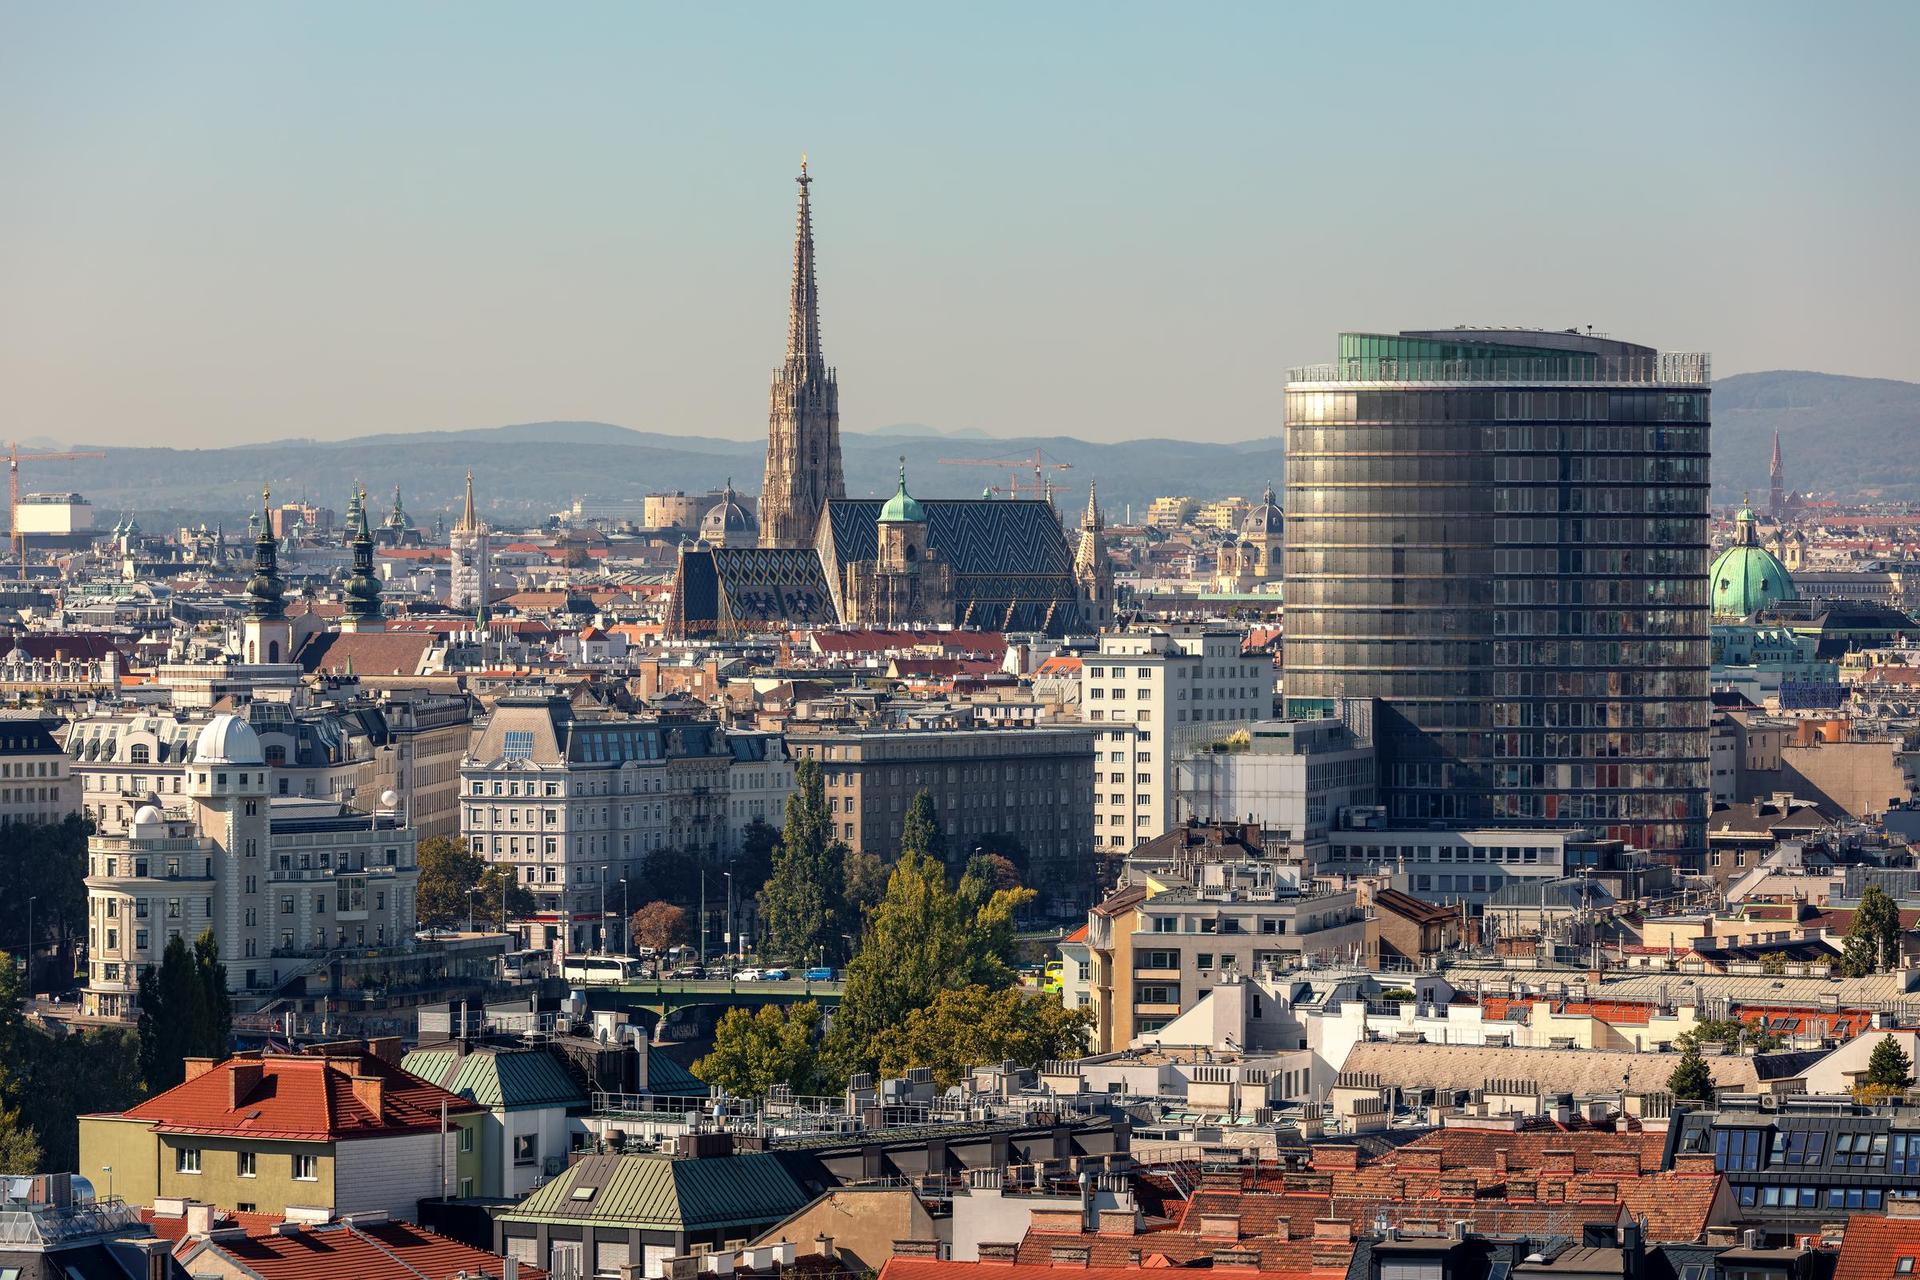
<point x="232" y="223"/>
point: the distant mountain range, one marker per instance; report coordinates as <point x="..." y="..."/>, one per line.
<point x="1847" y="435"/>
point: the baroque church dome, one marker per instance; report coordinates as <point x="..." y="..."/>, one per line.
<point x="1746" y="578"/>
<point x="1266" y="520"/>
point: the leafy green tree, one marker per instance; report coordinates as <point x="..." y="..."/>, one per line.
<point x="1889" y="1067"/>
<point x="973" y="1025"/>
<point x="20" y="1150"/>
<point x="754" y="863"/>
<point x="185" y="1011"/>
<point x="1691" y="1081"/>
<point x="926" y="936"/>
<point x="866" y="880"/>
<point x="672" y="875"/>
<point x="63" y="1077"/>
<point x="447" y="871"/>
<point x="1873" y="935"/>
<point x="493" y="880"/>
<point x="994" y="868"/>
<point x="803" y="898"/>
<point x="1732" y="1034"/>
<point x="752" y="1052"/>
<point x="448" y="874"/>
<point x="45" y="865"/>
<point x="921" y="832"/>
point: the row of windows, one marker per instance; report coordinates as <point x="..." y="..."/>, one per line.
<point x="304" y="1168"/>
<point x="1475" y="496"/>
<point x="1481" y="406"/>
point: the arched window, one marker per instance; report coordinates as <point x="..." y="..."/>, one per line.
<point x="139" y="753"/>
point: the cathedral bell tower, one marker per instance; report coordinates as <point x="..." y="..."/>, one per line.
<point x="1092" y="567"/>
<point x="803" y="422"/>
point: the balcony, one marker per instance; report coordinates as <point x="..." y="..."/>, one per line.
<point x="1156" y="1011"/>
<point x="1157" y="975"/>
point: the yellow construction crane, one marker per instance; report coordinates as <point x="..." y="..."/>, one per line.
<point x="14" y="459"/>
<point x="1041" y="485"/>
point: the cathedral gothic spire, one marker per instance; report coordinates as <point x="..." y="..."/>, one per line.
<point x="803" y="421"/>
<point x="1092" y="568"/>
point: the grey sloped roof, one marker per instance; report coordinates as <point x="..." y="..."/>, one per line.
<point x="1581" y="1071"/>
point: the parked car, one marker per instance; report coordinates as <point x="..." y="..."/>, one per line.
<point x="750" y="975"/>
<point x="819" y="973"/>
<point x="688" y="971"/>
<point x="778" y="975"/>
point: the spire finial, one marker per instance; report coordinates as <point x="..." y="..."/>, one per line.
<point x="803" y="164"/>
<point x="903" y="473"/>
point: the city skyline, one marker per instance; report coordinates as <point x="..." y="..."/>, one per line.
<point x="424" y="226"/>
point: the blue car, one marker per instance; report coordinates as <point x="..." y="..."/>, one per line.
<point x="820" y="974"/>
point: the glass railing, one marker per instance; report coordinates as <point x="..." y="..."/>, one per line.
<point x="1667" y="368"/>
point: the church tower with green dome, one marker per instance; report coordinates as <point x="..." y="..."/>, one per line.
<point x="908" y="583"/>
<point x="1746" y="577"/>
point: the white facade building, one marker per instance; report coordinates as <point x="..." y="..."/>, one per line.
<point x="1150" y="697"/>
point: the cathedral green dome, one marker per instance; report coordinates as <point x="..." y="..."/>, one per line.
<point x="1746" y="577"/>
<point x="903" y="507"/>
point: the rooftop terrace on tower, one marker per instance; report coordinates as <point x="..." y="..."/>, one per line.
<point x="1504" y="355"/>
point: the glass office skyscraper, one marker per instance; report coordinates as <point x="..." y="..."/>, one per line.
<point x="1502" y="536"/>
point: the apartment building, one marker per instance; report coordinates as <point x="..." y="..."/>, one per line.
<point x="350" y="752"/>
<point x="573" y="803"/>
<point x="1035" y="785"/>
<point x="277" y="882"/>
<point x="1151" y="698"/>
<point x="292" y="1135"/>
<point x="35" y="783"/>
<point x="1156" y="952"/>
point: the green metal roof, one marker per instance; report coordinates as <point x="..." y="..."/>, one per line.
<point x="664" y="1075"/>
<point x="667" y="1194"/>
<point x="509" y="1080"/>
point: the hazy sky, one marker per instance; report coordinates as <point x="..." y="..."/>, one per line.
<point x="231" y="222"/>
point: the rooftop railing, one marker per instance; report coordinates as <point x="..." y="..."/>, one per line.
<point x="45" y="1225"/>
<point x="1668" y="368"/>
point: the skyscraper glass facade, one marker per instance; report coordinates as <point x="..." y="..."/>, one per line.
<point x="1502" y="535"/>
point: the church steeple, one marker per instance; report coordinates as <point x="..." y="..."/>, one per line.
<point x="468" y="521"/>
<point x="803" y="423"/>
<point x="362" y="588"/>
<point x="265" y="590"/>
<point x="803" y="309"/>
<point x="1092" y="568"/>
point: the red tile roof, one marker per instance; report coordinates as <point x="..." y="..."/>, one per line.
<point x="387" y="1251"/>
<point x="1872" y="1246"/>
<point x="298" y="1097"/>
<point x="368" y="653"/>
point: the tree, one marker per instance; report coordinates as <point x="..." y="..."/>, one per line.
<point x="752" y="1052"/>
<point x="449" y="875"/>
<point x="802" y="900"/>
<point x="185" y="1011"/>
<point x="447" y="871"/>
<point x="1889" y="1067"/>
<point x="671" y="875"/>
<point x="921" y="832"/>
<point x="495" y="878"/>
<point x="660" y="925"/>
<point x="996" y="869"/>
<point x="1873" y="935"/>
<point x="1691" y="1081"/>
<point x="926" y="936"/>
<point x="754" y="863"/>
<point x="63" y="1077"/>
<point x="19" y="1149"/>
<point x="44" y="864"/>
<point x="866" y="880"/>
<point x="1732" y="1034"/>
<point x="972" y="1025"/>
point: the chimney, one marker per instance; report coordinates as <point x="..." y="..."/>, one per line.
<point x="371" y="1093"/>
<point x="1222" y="1226"/>
<point x="1330" y="1156"/>
<point x="1119" y="1222"/>
<point x="1616" y="1162"/>
<point x="1500" y="1162"/>
<point x="509" y="1268"/>
<point x="199" y="1218"/>
<point x="385" y="1048"/>
<point x="155" y="1255"/>
<point x="243" y="1077"/>
<point x="197" y="1067"/>
<point x="825" y="1245"/>
<point x="1332" y="1229"/>
<point x="1421" y="1160"/>
<point x="1557" y="1160"/>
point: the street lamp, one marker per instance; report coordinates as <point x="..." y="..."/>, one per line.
<point x="30" y="902"/>
<point x="600" y="925"/>
<point x="727" y="937"/>
<point x="848" y="939"/>
<point x="626" y="918"/>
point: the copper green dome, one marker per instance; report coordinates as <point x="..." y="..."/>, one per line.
<point x="903" y="507"/>
<point x="1746" y="578"/>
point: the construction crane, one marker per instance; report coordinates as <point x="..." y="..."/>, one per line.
<point x="1041" y="486"/>
<point x="14" y="459"/>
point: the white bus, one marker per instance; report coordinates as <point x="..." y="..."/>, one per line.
<point x="601" y="971"/>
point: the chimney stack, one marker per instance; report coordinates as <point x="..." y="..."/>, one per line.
<point x="371" y="1092"/>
